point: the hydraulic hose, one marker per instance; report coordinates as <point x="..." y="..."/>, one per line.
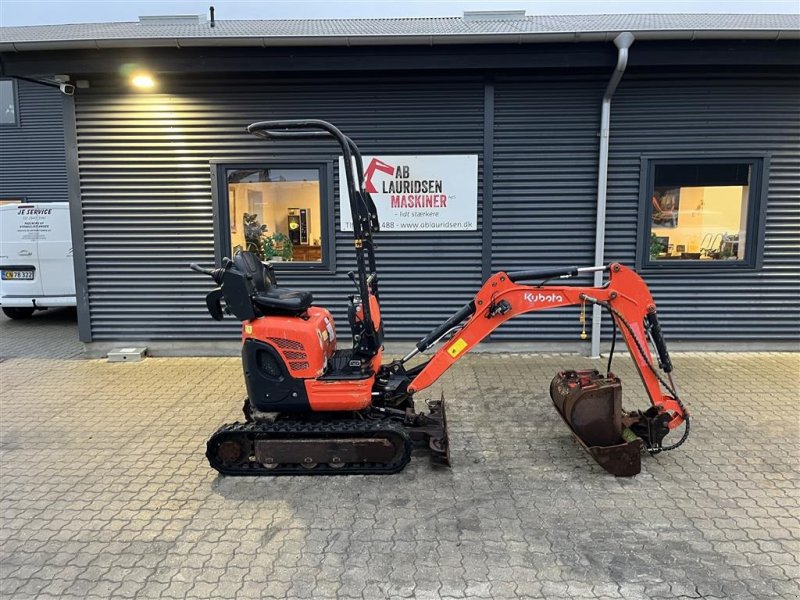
<point x="550" y="273"/>
<point x="658" y="340"/>
<point x="466" y="311"/>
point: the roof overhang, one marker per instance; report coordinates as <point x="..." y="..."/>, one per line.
<point x="398" y="40"/>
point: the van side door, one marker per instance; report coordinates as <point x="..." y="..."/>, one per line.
<point x="20" y="275"/>
<point x="55" y="250"/>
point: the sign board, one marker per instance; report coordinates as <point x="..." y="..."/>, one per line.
<point x="436" y="192"/>
<point x="46" y="221"/>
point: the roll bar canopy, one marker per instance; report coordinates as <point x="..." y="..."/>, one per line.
<point x="365" y="214"/>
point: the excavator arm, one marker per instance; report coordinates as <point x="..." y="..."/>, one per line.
<point x="503" y="297"/>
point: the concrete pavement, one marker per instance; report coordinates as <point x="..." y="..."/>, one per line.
<point x="105" y="491"/>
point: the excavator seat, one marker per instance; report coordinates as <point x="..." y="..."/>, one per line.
<point x="269" y="297"/>
<point x="283" y="300"/>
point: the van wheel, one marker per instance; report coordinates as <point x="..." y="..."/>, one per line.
<point x="18" y="312"/>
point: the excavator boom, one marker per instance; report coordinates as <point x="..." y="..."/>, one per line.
<point x="631" y="307"/>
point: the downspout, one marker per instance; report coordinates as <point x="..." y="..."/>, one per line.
<point x="623" y="41"/>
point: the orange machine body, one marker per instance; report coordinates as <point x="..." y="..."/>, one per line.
<point x="351" y="394"/>
<point x="306" y="344"/>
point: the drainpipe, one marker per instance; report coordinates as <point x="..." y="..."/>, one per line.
<point x="623" y="41"/>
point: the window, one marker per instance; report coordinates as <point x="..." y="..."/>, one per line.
<point x="280" y="212"/>
<point x="8" y="102"/>
<point x="701" y="212"/>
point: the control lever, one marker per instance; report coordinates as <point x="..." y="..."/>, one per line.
<point x="215" y="274"/>
<point x="352" y="276"/>
<point x="199" y="269"/>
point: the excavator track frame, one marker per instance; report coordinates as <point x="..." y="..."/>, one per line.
<point x="238" y="449"/>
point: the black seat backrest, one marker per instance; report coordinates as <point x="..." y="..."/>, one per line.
<point x="262" y="275"/>
<point x="237" y="290"/>
<point x="243" y="278"/>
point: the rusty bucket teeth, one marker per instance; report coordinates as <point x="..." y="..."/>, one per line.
<point x="622" y="460"/>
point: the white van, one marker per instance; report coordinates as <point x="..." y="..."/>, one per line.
<point x="36" y="269"/>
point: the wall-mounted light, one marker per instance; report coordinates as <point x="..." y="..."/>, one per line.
<point x="143" y="81"/>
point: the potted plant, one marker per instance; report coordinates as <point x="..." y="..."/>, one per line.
<point x="277" y="247"/>
<point x="253" y="233"/>
<point x="657" y="247"/>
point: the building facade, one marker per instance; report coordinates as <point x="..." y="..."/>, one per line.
<point x="33" y="164"/>
<point x="703" y="172"/>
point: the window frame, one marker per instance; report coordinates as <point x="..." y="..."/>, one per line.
<point x="221" y="212"/>
<point x="15" y="94"/>
<point x="756" y="212"/>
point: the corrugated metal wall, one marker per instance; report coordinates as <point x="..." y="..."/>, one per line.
<point x="146" y="197"/>
<point x="545" y="168"/>
<point x="32" y="156"/>
<point x="147" y="208"/>
<point x="707" y="113"/>
<point x="545" y="186"/>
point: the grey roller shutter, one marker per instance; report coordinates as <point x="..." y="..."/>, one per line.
<point x="32" y="156"/>
<point x="147" y="208"/>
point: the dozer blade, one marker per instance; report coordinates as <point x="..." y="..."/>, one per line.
<point x="591" y="406"/>
<point x="439" y="442"/>
<point x="430" y="431"/>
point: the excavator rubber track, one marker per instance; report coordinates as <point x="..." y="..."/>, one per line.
<point x="293" y="447"/>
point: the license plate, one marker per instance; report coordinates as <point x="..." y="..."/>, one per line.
<point x="9" y="275"/>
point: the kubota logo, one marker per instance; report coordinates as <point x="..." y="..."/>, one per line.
<point x="540" y="297"/>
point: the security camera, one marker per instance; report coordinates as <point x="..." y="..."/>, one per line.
<point x="67" y="89"/>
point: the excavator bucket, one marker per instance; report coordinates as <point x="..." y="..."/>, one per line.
<point x="591" y="406"/>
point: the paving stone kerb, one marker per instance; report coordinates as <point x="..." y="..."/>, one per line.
<point x="105" y="492"/>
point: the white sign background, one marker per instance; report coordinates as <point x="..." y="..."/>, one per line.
<point x="436" y="192"/>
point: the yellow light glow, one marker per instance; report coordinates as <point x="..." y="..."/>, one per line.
<point x="143" y="81"/>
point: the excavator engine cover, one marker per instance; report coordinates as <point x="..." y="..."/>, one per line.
<point x="591" y="406"/>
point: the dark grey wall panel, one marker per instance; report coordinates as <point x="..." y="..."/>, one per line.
<point x="708" y="114"/>
<point x="32" y="157"/>
<point x="545" y="186"/>
<point x="544" y="203"/>
<point x="146" y="196"/>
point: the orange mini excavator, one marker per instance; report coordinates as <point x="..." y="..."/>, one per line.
<point x="315" y="409"/>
